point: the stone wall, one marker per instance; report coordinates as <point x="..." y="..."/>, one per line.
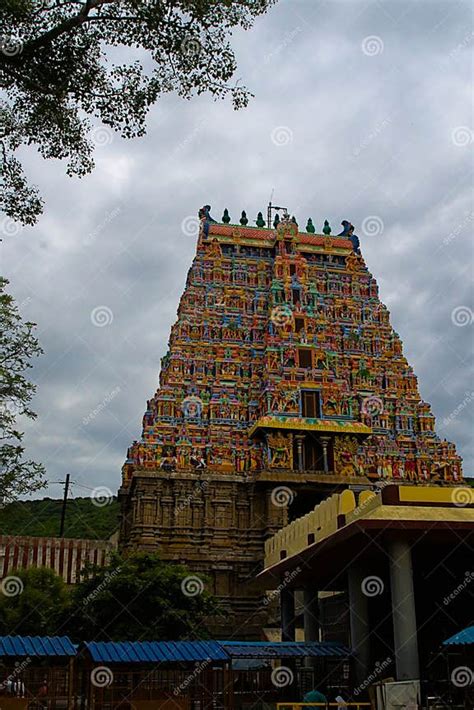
<point x="217" y="525"/>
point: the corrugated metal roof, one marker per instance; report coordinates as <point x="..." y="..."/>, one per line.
<point x="257" y="649"/>
<point x="170" y="651"/>
<point x="156" y="651"/>
<point x="36" y="646"/>
<point x="462" y="638"/>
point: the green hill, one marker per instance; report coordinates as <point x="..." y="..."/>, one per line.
<point x="84" y="518"/>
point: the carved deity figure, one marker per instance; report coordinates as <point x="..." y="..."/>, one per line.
<point x="280" y="449"/>
<point x="345" y="455"/>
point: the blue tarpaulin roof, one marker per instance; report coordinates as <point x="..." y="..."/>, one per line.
<point x="36" y="646"/>
<point x="462" y="638"/>
<point x="155" y="651"/>
<point x="267" y="649"/>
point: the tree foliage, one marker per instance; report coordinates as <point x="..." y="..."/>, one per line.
<point x="33" y="603"/>
<point x="84" y="519"/>
<point x="17" y="346"/>
<point x="139" y="597"/>
<point x="60" y="68"/>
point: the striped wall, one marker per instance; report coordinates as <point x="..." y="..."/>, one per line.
<point x="65" y="556"/>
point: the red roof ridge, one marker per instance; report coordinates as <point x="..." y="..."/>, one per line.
<point x="263" y="233"/>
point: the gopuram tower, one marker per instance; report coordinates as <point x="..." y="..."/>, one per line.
<point x="283" y="383"/>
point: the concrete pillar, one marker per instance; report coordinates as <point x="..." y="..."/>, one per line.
<point x="287" y="610"/>
<point x="359" y="621"/>
<point x="311" y="614"/>
<point x="403" y="611"/>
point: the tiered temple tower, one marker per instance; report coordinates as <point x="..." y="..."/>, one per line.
<point x="284" y="382"/>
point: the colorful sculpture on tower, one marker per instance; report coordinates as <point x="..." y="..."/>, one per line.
<point x="283" y="357"/>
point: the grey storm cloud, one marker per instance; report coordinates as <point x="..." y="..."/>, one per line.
<point x="362" y="111"/>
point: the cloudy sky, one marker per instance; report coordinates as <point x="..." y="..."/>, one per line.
<point x="362" y="111"/>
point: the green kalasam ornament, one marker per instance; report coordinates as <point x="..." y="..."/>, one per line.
<point x="326" y="228"/>
<point x="276" y="221"/>
<point x="260" y="222"/>
<point x="225" y="216"/>
<point x="310" y="226"/>
<point x="243" y="219"/>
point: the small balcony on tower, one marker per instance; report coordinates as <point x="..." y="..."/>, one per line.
<point x="310" y="444"/>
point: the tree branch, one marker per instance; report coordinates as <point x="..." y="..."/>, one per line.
<point x="48" y="37"/>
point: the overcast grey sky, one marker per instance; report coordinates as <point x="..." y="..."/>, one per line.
<point x="362" y="111"/>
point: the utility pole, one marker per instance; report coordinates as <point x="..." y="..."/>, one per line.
<point x="63" y="511"/>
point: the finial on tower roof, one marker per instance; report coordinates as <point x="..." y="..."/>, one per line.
<point x="243" y="218"/>
<point x="310" y="226"/>
<point x="326" y="228"/>
<point x="225" y="216"/>
<point x="260" y="222"/>
<point x="276" y="221"/>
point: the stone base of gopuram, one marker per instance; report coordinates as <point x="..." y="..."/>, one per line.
<point x="216" y="524"/>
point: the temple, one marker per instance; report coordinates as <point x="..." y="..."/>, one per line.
<point x="284" y="383"/>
